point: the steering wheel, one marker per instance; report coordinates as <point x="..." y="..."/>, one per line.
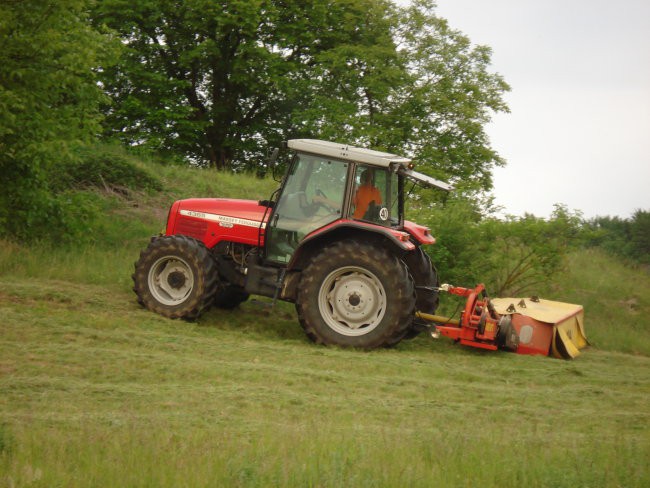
<point x="320" y="193"/>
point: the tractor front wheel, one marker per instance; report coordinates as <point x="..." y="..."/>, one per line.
<point x="355" y="294"/>
<point x="176" y="277"/>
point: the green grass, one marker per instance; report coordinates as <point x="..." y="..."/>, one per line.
<point x="95" y="391"/>
<point x="98" y="392"/>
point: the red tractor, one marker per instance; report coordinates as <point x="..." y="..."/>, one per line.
<point x="332" y="239"/>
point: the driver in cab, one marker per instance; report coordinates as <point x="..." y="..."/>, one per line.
<point x="366" y="194"/>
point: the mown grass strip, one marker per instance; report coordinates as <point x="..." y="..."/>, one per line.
<point x="96" y="390"/>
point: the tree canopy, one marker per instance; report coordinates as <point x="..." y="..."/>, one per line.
<point x="218" y="82"/>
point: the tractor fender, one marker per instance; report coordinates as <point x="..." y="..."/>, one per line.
<point x="397" y="242"/>
<point x="419" y="232"/>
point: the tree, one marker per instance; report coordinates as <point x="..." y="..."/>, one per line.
<point x="49" y="100"/>
<point x="217" y="81"/>
<point x="629" y="238"/>
<point x="512" y="256"/>
<point x="524" y="253"/>
<point x="450" y="100"/>
<point x="211" y="79"/>
<point x="421" y="88"/>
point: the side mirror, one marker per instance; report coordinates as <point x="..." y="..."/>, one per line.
<point x="271" y="162"/>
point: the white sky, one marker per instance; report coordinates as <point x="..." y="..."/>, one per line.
<point x="579" y="128"/>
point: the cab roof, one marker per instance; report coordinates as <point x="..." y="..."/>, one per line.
<point x="347" y="153"/>
<point x="367" y="156"/>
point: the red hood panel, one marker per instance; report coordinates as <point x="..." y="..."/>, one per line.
<point x="243" y="209"/>
<point x="212" y="220"/>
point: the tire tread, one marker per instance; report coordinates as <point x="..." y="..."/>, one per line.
<point x="197" y="255"/>
<point x="399" y="287"/>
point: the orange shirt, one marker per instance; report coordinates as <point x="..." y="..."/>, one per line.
<point x="362" y="198"/>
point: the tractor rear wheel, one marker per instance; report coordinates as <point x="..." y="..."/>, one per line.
<point x="175" y="276"/>
<point x="354" y="294"/>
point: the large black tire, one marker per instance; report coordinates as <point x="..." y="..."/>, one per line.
<point x="229" y="296"/>
<point x="176" y="276"/>
<point x="426" y="280"/>
<point x="354" y="294"/>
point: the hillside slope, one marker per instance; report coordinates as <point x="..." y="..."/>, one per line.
<point x="95" y="391"/>
<point x="616" y="298"/>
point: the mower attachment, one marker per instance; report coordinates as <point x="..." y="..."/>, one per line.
<point x="544" y="326"/>
<point x="524" y="326"/>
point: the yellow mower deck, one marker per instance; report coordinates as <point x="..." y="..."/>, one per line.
<point x="545" y="326"/>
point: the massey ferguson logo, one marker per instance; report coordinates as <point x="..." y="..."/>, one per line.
<point x="222" y="220"/>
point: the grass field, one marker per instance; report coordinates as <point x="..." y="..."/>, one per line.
<point x="95" y="391"/>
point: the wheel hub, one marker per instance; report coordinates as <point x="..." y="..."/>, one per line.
<point x="352" y="301"/>
<point x="171" y="280"/>
<point x="176" y="279"/>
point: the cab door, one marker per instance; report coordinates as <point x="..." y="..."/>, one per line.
<point x="312" y="196"/>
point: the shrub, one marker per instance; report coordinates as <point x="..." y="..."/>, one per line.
<point x="511" y="256"/>
<point x="626" y="238"/>
<point x="104" y="167"/>
<point x="62" y="205"/>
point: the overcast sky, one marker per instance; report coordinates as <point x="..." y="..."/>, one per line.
<point x="579" y="128"/>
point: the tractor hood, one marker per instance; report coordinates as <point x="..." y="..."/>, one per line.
<point x="227" y="207"/>
<point x="214" y="219"/>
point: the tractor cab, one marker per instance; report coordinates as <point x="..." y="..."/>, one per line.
<point x="329" y="184"/>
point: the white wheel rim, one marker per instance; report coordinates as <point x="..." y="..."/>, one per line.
<point x="170" y="280"/>
<point x="352" y="301"/>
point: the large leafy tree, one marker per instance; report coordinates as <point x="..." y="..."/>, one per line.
<point x="421" y="88"/>
<point x="219" y="81"/>
<point x="49" y="100"/>
<point x="450" y="100"/>
<point x="212" y="79"/>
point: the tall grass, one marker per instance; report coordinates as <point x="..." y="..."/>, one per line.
<point x="128" y="221"/>
<point x="316" y="455"/>
<point x="616" y="298"/>
<point x="87" y="265"/>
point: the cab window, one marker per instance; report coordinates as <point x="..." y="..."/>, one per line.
<point x="375" y="195"/>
